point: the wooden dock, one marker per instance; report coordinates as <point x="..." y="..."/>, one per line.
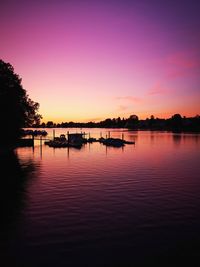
<point x="73" y="140"/>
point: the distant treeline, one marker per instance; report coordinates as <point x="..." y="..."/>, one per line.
<point x="175" y="123"/>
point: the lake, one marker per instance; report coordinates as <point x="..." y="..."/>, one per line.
<point x="102" y="206"/>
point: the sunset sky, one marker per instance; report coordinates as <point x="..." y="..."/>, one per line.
<point x="90" y="60"/>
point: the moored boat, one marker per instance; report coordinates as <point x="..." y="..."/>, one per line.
<point x="33" y="132"/>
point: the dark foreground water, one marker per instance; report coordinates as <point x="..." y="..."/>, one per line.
<point x="98" y="206"/>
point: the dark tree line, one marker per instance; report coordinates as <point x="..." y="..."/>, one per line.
<point x="175" y="123"/>
<point x="16" y="108"/>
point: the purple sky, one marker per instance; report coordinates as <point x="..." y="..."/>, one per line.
<point x="89" y="60"/>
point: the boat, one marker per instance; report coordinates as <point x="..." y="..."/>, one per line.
<point x="115" y="142"/>
<point x="73" y="140"/>
<point x="91" y="140"/>
<point x="33" y="132"/>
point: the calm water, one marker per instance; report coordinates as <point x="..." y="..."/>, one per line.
<point x="98" y="206"/>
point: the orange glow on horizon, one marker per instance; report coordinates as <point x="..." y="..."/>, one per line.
<point x="164" y="115"/>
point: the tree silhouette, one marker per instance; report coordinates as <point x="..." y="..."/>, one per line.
<point x="17" y="110"/>
<point x="132" y="122"/>
<point x="49" y="124"/>
<point x="176" y="122"/>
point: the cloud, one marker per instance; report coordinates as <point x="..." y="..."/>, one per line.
<point x="183" y="60"/>
<point x="183" y="64"/>
<point x="173" y="74"/>
<point x="157" y="89"/>
<point x="130" y="99"/>
<point x="122" y="108"/>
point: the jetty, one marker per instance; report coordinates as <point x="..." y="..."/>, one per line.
<point x="77" y="140"/>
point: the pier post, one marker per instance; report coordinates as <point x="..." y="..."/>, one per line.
<point x="68" y="152"/>
<point x="101" y="134"/>
<point x="123" y="136"/>
<point x="41" y="146"/>
<point x="33" y="137"/>
<point x="53" y="134"/>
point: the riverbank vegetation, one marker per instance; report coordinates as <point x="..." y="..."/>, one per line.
<point x="175" y="123"/>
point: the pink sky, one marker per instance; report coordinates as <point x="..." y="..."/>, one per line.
<point x="90" y="60"/>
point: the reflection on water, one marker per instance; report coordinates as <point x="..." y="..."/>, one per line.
<point x="105" y="206"/>
<point x="15" y="177"/>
